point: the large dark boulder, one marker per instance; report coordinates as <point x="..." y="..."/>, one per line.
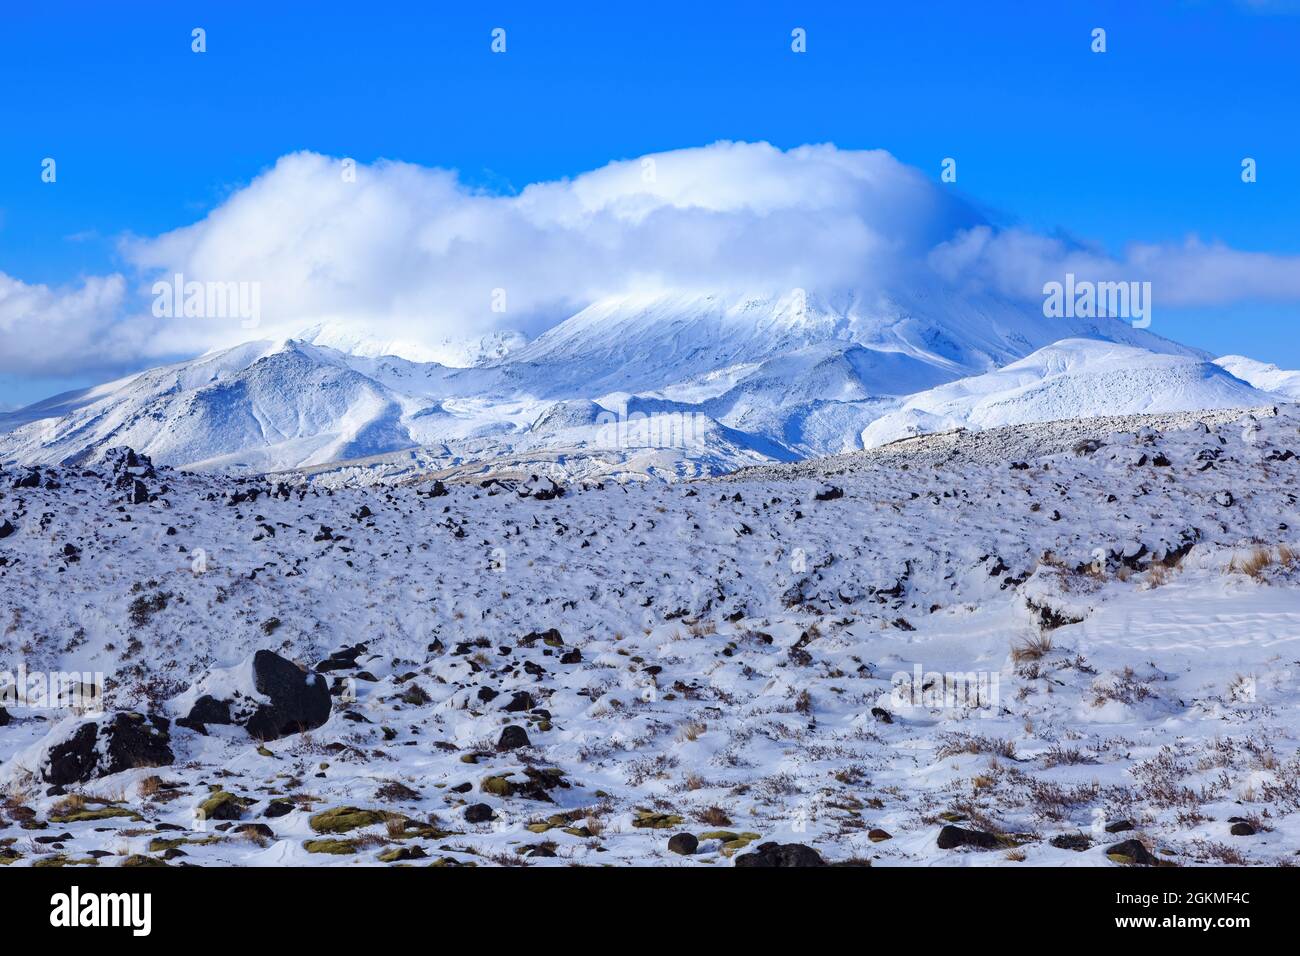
<point x="299" y="700"/>
<point x="1132" y="853"/>
<point x="781" y="854"/>
<point x="951" y="837"/>
<point x="284" y="700"/>
<point x="206" y="710"/>
<point x="100" y="748"/>
<point x="512" y="738"/>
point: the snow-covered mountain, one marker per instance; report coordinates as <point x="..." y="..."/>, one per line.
<point x="738" y="378"/>
<point x="1074" y="378"/>
<point x="1262" y="375"/>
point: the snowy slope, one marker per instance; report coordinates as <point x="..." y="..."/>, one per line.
<point x="731" y="658"/>
<point x="1262" y="375"/>
<point x="1073" y="378"/>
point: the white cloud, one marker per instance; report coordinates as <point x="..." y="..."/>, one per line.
<point x="45" y="331"/>
<point x="1016" y="264"/>
<point x="414" y="254"/>
<point x="410" y="253"/>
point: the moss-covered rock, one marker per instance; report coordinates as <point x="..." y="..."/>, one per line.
<point x="343" y="819"/>
<point x="656" y="821"/>
<point x="402" y="853"/>
<point x="737" y="842"/>
<point x="139" y="859"/>
<point x="336" y="847"/>
<point x="62" y="860"/>
<point x="103" y="813"/>
<point x="222" y="805"/>
<point x="163" y="844"/>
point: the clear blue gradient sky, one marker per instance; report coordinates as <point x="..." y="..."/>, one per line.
<point x="1143" y="143"/>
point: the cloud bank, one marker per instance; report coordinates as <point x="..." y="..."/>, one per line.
<point x="411" y="253"/>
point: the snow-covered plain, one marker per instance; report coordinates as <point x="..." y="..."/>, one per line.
<point x="1110" y="603"/>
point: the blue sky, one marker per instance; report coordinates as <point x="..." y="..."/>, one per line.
<point x="1142" y="143"/>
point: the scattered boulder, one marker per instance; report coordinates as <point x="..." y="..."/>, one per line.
<point x="345" y="659"/>
<point x="520" y="700"/>
<point x="283" y="700"/>
<point x="951" y="837"/>
<point x="222" y="805"/>
<point x="343" y="819"/>
<point x="278" y="808"/>
<point x="512" y="738"/>
<point x="1131" y="853"/>
<point x="206" y="710"/>
<point x="402" y="853"/>
<point x="540" y="489"/>
<point x="781" y="854"/>
<point x="1072" y="841"/>
<point x="683" y="843"/>
<point x="479" y="813"/>
<point x="1242" y="828"/>
<point x="108" y="745"/>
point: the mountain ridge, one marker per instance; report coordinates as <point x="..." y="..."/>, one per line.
<point x="777" y="377"/>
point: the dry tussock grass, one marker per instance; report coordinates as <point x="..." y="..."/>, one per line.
<point x="1032" y="648"/>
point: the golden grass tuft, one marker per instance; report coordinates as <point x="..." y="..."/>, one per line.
<point x="1032" y="648"/>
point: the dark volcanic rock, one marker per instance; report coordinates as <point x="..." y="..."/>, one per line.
<point x="540" y="489"/>
<point x="683" y="843"/>
<point x="124" y="741"/>
<point x="951" y="837"/>
<point x="519" y="701"/>
<point x="345" y="659"/>
<point x="1072" y="841"/>
<point x="206" y="710"/>
<point x="299" y="700"/>
<point x="479" y="813"/>
<point x="781" y="854"/>
<point x="1131" y="852"/>
<point x="512" y="738"/>
<point x="278" y="808"/>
